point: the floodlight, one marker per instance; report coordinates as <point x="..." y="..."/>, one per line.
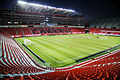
<point x="33" y="4"/>
<point x="44" y="6"/>
<point x="51" y="7"/>
<point x="71" y="10"/>
<point x="22" y="2"/>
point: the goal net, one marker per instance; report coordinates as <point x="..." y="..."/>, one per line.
<point x="27" y="42"/>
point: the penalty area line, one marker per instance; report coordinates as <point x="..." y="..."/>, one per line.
<point x="48" y="55"/>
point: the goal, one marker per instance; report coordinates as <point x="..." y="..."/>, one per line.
<point x="27" y="42"/>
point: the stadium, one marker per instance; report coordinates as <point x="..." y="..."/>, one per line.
<point x="41" y="42"/>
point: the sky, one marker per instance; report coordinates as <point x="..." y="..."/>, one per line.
<point x="91" y="8"/>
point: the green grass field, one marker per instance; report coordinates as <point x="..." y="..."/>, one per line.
<point x="64" y="50"/>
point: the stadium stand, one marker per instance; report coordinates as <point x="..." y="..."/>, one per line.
<point x="26" y="30"/>
<point x="10" y="31"/>
<point x="41" y="30"/>
<point x="37" y="18"/>
<point x="14" y="60"/>
<point x="106" y="23"/>
<point x="19" y="31"/>
<point x="56" y="30"/>
<point x="105" y="30"/>
<point x="78" y="30"/>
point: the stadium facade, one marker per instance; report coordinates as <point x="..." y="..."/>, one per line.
<point x="32" y="14"/>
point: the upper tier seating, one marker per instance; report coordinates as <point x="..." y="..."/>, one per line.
<point x="106" y="23"/>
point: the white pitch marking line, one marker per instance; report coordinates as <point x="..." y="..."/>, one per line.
<point x="64" y="60"/>
<point x="48" y="55"/>
<point x="55" y="59"/>
<point x="61" y="44"/>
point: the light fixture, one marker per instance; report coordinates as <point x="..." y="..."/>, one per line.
<point x="44" y="6"/>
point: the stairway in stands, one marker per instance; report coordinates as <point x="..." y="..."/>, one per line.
<point x="14" y="61"/>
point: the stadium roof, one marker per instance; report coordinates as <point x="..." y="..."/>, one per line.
<point x="34" y="7"/>
<point x="92" y="9"/>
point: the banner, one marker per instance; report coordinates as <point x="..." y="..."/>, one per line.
<point x="32" y="35"/>
<point x="16" y="36"/>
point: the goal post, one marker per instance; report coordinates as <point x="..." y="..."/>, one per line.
<point x="27" y="42"/>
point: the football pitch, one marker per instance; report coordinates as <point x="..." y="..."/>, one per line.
<point x="63" y="50"/>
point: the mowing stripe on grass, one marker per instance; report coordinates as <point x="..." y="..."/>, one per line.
<point x="49" y="47"/>
<point x="47" y="55"/>
<point x="66" y="49"/>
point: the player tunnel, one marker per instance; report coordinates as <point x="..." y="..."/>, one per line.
<point x="86" y="30"/>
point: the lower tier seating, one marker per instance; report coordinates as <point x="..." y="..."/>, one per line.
<point x="40" y="30"/>
<point x="15" y="61"/>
